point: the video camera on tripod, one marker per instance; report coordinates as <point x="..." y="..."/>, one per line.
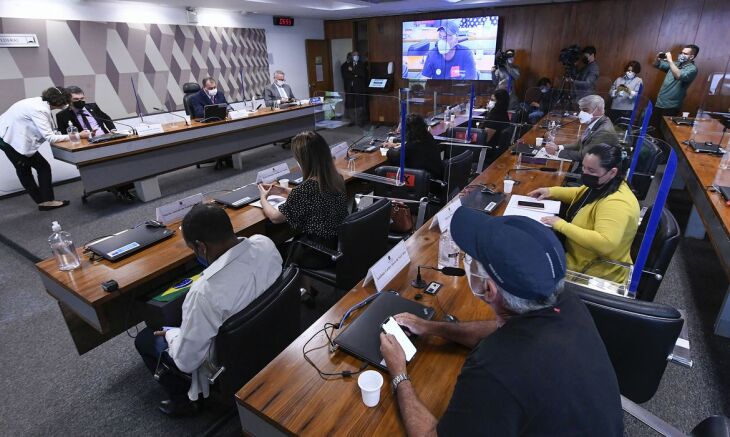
<point x="568" y="57"/>
<point x="501" y="57"/>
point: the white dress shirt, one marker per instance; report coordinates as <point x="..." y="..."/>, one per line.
<point x="227" y="286"/>
<point x="27" y="124"/>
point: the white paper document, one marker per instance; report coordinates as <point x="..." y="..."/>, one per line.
<point x="550" y="207"/>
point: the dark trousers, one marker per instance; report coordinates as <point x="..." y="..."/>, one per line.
<point x="656" y="118"/>
<point x="150" y="347"/>
<point x="43" y="190"/>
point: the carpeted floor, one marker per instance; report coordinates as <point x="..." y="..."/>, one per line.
<point x="48" y="389"/>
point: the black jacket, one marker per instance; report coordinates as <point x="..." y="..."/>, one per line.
<point x="422" y="155"/>
<point x="102" y="119"/>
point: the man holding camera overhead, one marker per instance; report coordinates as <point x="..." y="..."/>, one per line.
<point x="505" y="74"/>
<point x="679" y="77"/>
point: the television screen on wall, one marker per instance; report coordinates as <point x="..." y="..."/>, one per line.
<point x="450" y="49"/>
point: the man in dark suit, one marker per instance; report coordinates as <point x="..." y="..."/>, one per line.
<point x="584" y="83"/>
<point x="84" y="116"/>
<point x="355" y="75"/>
<point x="278" y="90"/>
<point x="598" y="129"/>
<point x="209" y="94"/>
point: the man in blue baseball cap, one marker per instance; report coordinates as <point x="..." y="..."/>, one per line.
<point x="539" y="367"/>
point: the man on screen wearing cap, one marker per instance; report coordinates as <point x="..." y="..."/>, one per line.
<point x="539" y="367"/>
<point x="449" y="59"/>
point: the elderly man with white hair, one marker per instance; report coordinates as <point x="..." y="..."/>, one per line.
<point x="597" y="129"/>
<point x="278" y="90"/>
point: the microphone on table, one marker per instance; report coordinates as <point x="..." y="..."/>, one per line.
<point x="134" y="131"/>
<point x="448" y="271"/>
<point x="187" y="122"/>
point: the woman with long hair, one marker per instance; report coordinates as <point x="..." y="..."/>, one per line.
<point x="316" y="207"/>
<point x="602" y="217"/>
<point x="422" y="151"/>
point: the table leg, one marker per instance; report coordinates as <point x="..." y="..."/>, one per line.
<point x="677" y="182"/>
<point x="695" y="228"/>
<point x="148" y="189"/>
<point x="238" y="161"/>
<point x="722" y="324"/>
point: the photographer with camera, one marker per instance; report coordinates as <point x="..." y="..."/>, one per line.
<point x="504" y="71"/>
<point x="584" y="83"/>
<point x="674" y="88"/>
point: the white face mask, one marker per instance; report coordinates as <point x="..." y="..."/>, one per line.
<point x="475" y="276"/>
<point x="630" y="75"/>
<point x="213" y="92"/>
<point x="355" y="58"/>
<point x="279" y="82"/>
<point x="443" y="46"/>
<point x="511" y="61"/>
<point x="585" y="117"/>
<point x="682" y="58"/>
<point x="491" y="104"/>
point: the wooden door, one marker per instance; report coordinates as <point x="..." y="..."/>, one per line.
<point x="319" y="70"/>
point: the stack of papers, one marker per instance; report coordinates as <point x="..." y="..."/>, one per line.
<point x="551" y="208"/>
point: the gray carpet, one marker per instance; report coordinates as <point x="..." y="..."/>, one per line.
<point x="48" y="389"/>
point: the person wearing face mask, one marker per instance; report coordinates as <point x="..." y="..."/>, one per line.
<point x="278" y="90"/>
<point x="539" y="104"/>
<point x="602" y="215"/>
<point x="597" y="128"/>
<point x="537" y="367"/>
<point x="24" y="128"/>
<point x="680" y="75"/>
<point x="356" y="79"/>
<point x="585" y="82"/>
<point x="84" y="115"/>
<point x="237" y="271"/>
<point x="449" y="59"/>
<point x="624" y="91"/>
<point x="496" y="118"/>
<point x="209" y="94"/>
<point x="505" y="76"/>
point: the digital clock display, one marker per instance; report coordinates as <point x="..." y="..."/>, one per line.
<point x="283" y="21"/>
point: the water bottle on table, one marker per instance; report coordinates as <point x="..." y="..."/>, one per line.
<point x="73" y="133"/>
<point x="63" y="248"/>
<point x="448" y="251"/>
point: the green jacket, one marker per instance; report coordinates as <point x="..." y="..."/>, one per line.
<point x="673" y="91"/>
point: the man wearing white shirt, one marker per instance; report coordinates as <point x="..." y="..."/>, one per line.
<point x="237" y="272"/>
<point x="278" y="90"/>
<point x="24" y="128"/>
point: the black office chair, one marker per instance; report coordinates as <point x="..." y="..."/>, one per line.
<point x="457" y="171"/>
<point x="479" y="151"/>
<point x="362" y="240"/>
<point x="639" y="338"/>
<point x="415" y="194"/>
<point x="650" y="156"/>
<point x="254" y="336"/>
<point x="662" y="249"/>
<point x="189" y="89"/>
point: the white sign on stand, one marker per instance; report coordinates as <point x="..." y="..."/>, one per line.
<point x="144" y="130"/>
<point x="235" y="115"/>
<point x="339" y="150"/>
<point x="272" y="174"/>
<point x="387" y="267"/>
<point x="176" y="210"/>
<point x="443" y="217"/>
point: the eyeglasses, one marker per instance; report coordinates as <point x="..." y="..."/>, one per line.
<point x="473" y="270"/>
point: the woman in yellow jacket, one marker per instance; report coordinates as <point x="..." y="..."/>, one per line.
<point x="602" y="216"/>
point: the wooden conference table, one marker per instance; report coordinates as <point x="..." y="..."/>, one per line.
<point x="698" y="171"/>
<point x="93" y="316"/>
<point x="140" y="159"/>
<point x="288" y="397"/>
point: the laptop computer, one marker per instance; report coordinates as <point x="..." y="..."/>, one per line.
<point x="482" y="201"/>
<point x="368" y="146"/>
<point x="217" y="112"/>
<point x="361" y="338"/>
<point x="128" y="242"/>
<point x="240" y="197"/>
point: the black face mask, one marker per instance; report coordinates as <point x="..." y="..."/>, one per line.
<point x="79" y="104"/>
<point x="589" y="180"/>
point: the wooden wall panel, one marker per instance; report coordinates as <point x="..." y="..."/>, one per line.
<point x="621" y="30"/>
<point x="338" y="29"/>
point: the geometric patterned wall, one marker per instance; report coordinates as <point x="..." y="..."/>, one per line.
<point x="104" y="58"/>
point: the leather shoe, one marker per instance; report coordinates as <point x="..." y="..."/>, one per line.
<point x="49" y="208"/>
<point x="184" y="408"/>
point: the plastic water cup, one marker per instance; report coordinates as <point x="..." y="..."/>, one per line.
<point x="187" y="120"/>
<point x="370" y="383"/>
<point x="685" y="115"/>
<point x="452" y="118"/>
<point x="538" y="142"/>
<point x="508" y="184"/>
<point x="384" y="151"/>
<point x="284" y="183"/>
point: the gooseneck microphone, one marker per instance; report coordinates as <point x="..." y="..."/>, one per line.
<point x="187" y="122"/>
<point x="134" y="131"/>
<point x="448" y="271"/>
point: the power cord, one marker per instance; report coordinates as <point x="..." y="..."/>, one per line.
<point x="327" y="376"/>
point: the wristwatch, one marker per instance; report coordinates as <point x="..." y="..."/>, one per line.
<point x="398" y="379"/>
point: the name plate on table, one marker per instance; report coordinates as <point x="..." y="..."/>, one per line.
<point x="176" y="210"/>
<point x="443" y="218"/>
<point x="235" y="115"/>
<point x="272" y="174"/>
<point x="387" y="267"/>
<point x="144" y="130"/>
<point x="339" y="150"/>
